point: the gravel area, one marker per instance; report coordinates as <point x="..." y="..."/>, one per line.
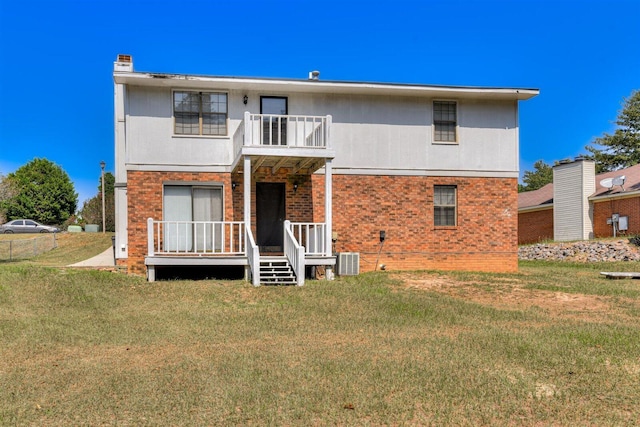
<point x="586" y="251"/>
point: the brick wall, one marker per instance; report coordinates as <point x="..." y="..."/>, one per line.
<point x="485" y="238"/>
<point x="144" y="199"/>
<point x="603" y="210"/>
<point x="535" y="226"/>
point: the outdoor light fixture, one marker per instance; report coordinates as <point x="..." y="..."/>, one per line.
<point x="295" y="187"/>
<point x="102" y="165"/>
<point x="233" y="185"/>
<point x="245" y="99"/>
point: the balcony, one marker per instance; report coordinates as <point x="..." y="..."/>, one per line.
<point x="296" y="142"/>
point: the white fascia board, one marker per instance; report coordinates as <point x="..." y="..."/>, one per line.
<point x="423" y="172"/>
<point x="544" y="207"/>
<point x="257" y="150"/>
<point x="605" y="197"/>
<point x="182" y="81"/>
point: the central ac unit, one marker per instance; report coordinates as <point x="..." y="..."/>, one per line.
<point x="348" y="263"/>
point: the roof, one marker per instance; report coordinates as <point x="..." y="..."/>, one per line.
<point x="631" y="182"/>
<point x="320" y="86"/>
<point x="544" y="196"/>
<point x="541" y="196"/>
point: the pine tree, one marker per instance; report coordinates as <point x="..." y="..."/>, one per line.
<point x="622" y="148"/>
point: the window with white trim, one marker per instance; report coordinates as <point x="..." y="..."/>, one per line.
<point x="200" y="113"/>
<point x="444" y="205"/>
<point x="445" y="121"/>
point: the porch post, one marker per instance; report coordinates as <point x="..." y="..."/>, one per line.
<point x="328" y="213"/>
<point x="247" y="192"/>
<point x="150" y="242"/>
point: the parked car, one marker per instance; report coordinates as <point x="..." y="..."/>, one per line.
<point x="26" y="226"/>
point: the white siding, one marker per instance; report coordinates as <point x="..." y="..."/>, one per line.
<point x="573" y="183"/>
<point x="378" y="134"/>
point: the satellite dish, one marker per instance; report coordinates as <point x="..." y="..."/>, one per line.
<point x="619" y="180"/>
<point x="607" y="182"/>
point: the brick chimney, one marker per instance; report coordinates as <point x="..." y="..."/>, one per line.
<point x="124" y="63"/>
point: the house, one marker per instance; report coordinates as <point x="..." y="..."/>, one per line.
<point x="581" y="205"/>
<point x="284" y="176"/>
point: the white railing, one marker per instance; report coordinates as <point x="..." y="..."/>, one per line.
<point x="253" y="256"/>
<point x="287" y="130"/>
<point x="312" y="235"/>
<point x="195" y="237"/>
<point x="238" y="138"/>
<point x="294" y="253"/>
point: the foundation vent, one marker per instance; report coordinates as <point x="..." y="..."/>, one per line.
<point x="348" y="264"/>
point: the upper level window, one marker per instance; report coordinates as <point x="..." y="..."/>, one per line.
<point x="444" y="205"/>
<point x="200" y="113"/>
<point x="445" y="121"/>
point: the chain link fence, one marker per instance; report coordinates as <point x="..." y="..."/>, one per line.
<point x="11" y="250"/>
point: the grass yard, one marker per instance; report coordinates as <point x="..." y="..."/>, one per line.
<point x="555" y="344"/>
<point x="71" y="247"/>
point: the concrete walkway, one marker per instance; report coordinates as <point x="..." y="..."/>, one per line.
<point x="105" y="259"/>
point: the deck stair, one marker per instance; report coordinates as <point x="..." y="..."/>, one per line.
<point x="276" y="270"/>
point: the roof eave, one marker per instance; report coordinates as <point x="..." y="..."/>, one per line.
<point x="535" y="208"/>
<point x="320" y="86"/>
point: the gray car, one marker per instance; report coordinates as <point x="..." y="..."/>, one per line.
<point x="26" y="226"/>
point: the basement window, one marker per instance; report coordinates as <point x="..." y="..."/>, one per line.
<point x="444" y="205"/>
<point x="200" y="113"/>
<point x="445" y="121"/>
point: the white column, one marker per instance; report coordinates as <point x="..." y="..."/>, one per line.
<point x="328" y="199"/>
<point x="247" y="192"/>
<point x="150" y="238"/>
<point x="328" y="216"/>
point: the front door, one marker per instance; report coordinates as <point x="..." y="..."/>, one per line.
<point x="274" y="127"/>
<point x="270" y="211"/>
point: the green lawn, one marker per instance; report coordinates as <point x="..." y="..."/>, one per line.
<point x="554" y="344"/>
<point x="69" y="247"/>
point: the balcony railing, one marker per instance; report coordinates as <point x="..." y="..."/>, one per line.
<point x="195" y="237"/>
<point x="287" y="130"/>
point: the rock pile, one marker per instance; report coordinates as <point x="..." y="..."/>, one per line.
<point x="586" y="251"/>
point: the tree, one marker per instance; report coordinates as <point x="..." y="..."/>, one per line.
<point x="6" y="191"/>
<point x="92" y="209"/>
<point x="538" y="178"/>
<point x="622" y="149"/>
<point x="42" y="191"/>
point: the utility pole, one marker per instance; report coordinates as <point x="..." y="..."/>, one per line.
<point x="102" y="165"/>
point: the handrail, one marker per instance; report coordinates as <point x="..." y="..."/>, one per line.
<point x="195" y="237"/>
<point x="294" y="253"/>
<point x="239" y="138"/>
<point x="311" y="235"/>
<point x="253" y="256"/>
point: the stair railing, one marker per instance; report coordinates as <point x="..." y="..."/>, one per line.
<point x="294" y="253"/>
<point x="253" y="256"/>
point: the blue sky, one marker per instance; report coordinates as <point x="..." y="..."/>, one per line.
<point x="56" y="60"/>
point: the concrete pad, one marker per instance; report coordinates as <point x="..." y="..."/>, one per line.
<point x="105" y="259"/>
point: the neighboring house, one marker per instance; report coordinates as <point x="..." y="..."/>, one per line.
<point x="283" y="173"/>
<point x="581" y="205"/>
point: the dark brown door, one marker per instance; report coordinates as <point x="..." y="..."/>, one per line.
<point x="270" y="211"/>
